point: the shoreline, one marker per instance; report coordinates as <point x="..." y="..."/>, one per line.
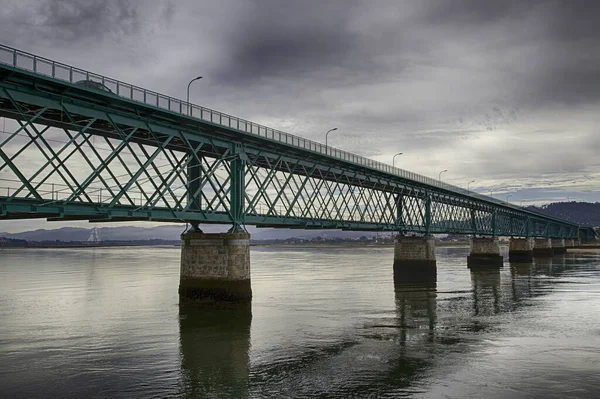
<point x="349" y="245"/>
<point x="266" y="245"/>
<point x="252" y="244"/>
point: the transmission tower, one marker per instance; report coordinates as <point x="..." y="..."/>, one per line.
<point x="94" y="236"/>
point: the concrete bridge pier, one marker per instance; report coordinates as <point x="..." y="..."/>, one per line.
<point x="558" y="246"/>
<point x="542" y="247"/>
<point x="520" y="250"/>
<point x="569" y="243"/>
<point x="215" y="267"/>
<point x="485" y="253"/>
<point x="414" y="259"/>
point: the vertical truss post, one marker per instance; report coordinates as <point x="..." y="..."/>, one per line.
<point x="473" y="222"/>
<point x="194" y="174"/>
<point x="527" y="227"/>
<point x="494" y="217"/>
<point x="238" y="189"/>
<point x="428" y="215"/>
<point x="399" y="221"/>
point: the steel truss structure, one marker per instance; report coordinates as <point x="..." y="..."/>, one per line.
<point x="72" y="152"/>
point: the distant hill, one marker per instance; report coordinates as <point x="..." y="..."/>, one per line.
<point x="169" y="232"/>
<point x="584" y="213"/>
<point x="67" y="234"/>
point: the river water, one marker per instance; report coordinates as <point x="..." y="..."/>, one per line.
<point x="327" y="323"/>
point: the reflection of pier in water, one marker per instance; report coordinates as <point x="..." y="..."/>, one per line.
<point x="215" y="345"/>
<point x="416" y="309"/>
<point x="486" y="291"/>
<point x="543" y="266"/>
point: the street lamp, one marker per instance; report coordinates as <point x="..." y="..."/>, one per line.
<point x="472" y="181"/>
<point x="327" y="134"/>
<point x="508" y="196"/>
<point x="394" y="158"/>
<point x="440" y="175"/>
<point x="188" y="93"/>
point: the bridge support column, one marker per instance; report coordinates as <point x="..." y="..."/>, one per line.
<point x="485" y="253"/>
<point x="542" y="247"/>
<point x="215" y="267"/>
<point x="558" y="246"/>
<point x="414" y="259"/>
<point x="569" y="243"/>
<point x="520" y="250"/>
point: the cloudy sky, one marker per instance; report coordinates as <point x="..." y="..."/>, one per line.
<point x="505" y="93"/>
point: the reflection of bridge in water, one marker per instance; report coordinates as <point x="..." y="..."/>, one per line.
<point x="398" y="351"/>
<point x="82" y="146"/>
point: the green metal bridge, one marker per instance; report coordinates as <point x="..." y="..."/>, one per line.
<point x="80" y="146"/>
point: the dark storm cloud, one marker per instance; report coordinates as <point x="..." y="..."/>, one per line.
<point x="568" y="64"/>
<point x="561" y="62"/>
<point x="73" y="19"/>
<point x="565" y="20"/>
<point x="275" y="38"/>
<point x="574" y="20"/>
<point x="76" y="21"/>
<point x="458" y="12"/>
<point x="537" y="46"/>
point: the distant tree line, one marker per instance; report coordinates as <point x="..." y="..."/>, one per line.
<point x="12" y="242"/>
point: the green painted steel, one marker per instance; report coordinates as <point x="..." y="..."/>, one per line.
<point x="81" y="146"/>
<point x="588" y="234"/>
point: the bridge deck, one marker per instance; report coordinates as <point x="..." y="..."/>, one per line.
<point x="45" y="68"/>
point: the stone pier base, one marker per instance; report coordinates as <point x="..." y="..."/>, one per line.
<point x="542" y="248"/>
<point x="414" y="259"/>
<point x="558" y="246"/>
<point x="569" y="243"/>
<point x="485" y="253"/>
<point x="215" y="268"/>
<point x="520" y="250"/>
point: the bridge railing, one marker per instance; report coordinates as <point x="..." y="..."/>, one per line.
<point x="43" y="66"/>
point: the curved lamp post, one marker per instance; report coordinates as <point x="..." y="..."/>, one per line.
<point x="508" y="196"/>
<point x="327" y="134"/>
<point x="394" y="159"/>
<point x="188" y="93"/>
<point x="472" y="181"/>
<point x="440" y="175"/>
